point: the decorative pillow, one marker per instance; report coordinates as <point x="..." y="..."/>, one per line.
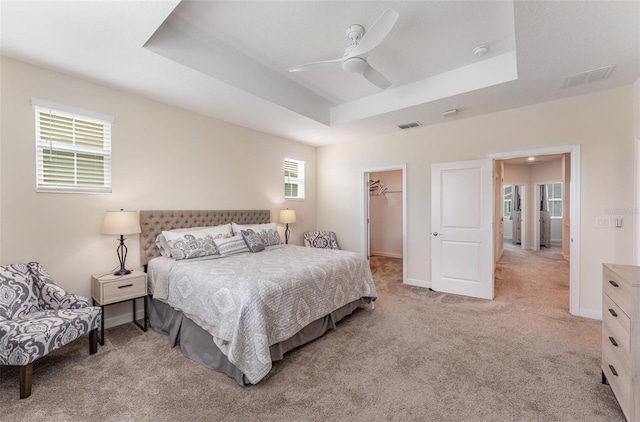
<point x="268" y="232"/>
<point x="231" y="245"/>
<point x="321" y="239"/>
<point x="253" y="240"/>
<point x="163" y="245"/>
<point x="195" y="244"/>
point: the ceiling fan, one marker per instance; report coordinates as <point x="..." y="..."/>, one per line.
<point x="360" y="47"/>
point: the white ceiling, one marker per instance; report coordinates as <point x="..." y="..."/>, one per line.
<point x="229" y="59"/>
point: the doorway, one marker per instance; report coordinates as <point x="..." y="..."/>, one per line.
<point x="384" y="210"/>
<point x="569" y="177"/>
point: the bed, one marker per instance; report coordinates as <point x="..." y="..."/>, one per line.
<point x="237" y="314"/>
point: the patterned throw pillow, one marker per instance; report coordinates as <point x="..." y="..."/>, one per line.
<point x="231" y="245"/>
<point x="196" y="244"/>
<point x="321" y="239"/>
<point x="253" y="240"/>
<point x="268" y="232"/>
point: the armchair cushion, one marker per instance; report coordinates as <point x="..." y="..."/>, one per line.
<point x="27" y="339"/>
<point x="17" y="296"/>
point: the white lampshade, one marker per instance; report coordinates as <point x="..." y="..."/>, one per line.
<point x="287" y="216"/>
<point x="120" y="222"/>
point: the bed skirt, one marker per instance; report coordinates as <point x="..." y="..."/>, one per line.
<point x="197" y="344"/>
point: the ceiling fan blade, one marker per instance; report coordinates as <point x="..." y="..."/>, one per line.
<point x="376" y="77"/>
<point x="376" y="34"/>
<point x="311" y="65"/>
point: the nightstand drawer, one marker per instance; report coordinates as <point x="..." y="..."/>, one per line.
<point x="124" y="289"/>
<point x="110" y="288"/>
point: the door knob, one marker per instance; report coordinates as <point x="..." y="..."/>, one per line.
<point x="435" y="233"/>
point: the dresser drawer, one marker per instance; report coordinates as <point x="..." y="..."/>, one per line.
<point x="620" y="383"/>
<point x="618" y="289"/>
<point x="616" y="324"/>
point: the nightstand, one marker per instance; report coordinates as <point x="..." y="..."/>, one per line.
<point x="108" y="289"/>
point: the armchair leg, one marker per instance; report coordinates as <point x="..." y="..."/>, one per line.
<point x="93" y="341"/>
<point x="25" y="380"/>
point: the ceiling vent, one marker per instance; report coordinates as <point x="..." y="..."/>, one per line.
<point x="410" y="125"/>
<point x="588" y="76"/>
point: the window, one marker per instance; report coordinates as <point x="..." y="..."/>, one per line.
<point x="507" y="202"/>
<point x="555" y="199"/>
<point x="73" y="151"/>
<point x="293" y="179"/>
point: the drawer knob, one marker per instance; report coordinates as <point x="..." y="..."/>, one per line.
<point x="613" y="370"/>
<point x="125" y="286"/>
<point x="613" y="341"/>
<point x="612" y="312"/>
<point x="613" y="283"/>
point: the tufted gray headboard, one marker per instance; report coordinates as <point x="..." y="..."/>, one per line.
<point x="152" y="223"/>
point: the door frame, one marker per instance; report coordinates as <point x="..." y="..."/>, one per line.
<point x="364" y="205"/>
<point x="574" y="213"/>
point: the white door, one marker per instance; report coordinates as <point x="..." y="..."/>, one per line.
<point x="461" y="228"/>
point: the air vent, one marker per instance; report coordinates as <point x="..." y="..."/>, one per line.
<point x="409" y="125"/>
<point x="588" y="76"/>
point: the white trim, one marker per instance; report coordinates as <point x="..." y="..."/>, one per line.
<point x="364" y="206"/>
<point x="574" y="213"/>
<point x="36" y="102"/>
<point x="417" y="283"/>
<point x="636" y="192"/>
<point x="591" y="313"/>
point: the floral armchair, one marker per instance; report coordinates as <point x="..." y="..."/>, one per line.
<point x="37" y="316"/>
<point x="321" y="239"/>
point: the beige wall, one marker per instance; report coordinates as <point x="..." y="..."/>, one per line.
<point x="601" y="123"/>
<point x="163" y="158"/>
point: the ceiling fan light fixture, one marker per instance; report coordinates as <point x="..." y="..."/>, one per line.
<point x="354" y="65"/>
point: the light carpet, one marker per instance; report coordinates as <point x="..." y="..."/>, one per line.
<point x="418" y="356"/>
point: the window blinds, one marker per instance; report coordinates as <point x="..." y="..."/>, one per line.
<point x="73" y="152"/>
<point x="293" y="179"/>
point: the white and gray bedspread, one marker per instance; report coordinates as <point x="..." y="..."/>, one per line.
<point x="250" y="301"/>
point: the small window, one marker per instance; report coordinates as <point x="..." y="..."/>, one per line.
<point x="507" y="201"/>
<point x="293" y="179"/>
<point x="555" y="199"/>
<point x="73" y="151"/>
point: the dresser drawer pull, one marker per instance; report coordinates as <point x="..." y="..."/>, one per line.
<point x="612" y="312"/>
<point x="613" y="370"/>
<point x="613" y="341"/>
<point x="613" y="283"/>
<point x="126" y="285"/>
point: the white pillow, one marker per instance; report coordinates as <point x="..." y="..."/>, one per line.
<point x="268" y="232"/>
<point x="186" y="244"/>
<point x="231" y="245"/>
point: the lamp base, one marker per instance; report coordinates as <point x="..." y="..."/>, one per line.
<point x="122" y="272"/>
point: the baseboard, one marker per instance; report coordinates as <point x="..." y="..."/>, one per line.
<point x="418" y="283"/>
<point x="591" y="313"/>
<point x="122" y="318"/>
<point x="386" y="254"/>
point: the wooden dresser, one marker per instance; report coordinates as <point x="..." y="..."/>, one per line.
<point x="621" y="335"/>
